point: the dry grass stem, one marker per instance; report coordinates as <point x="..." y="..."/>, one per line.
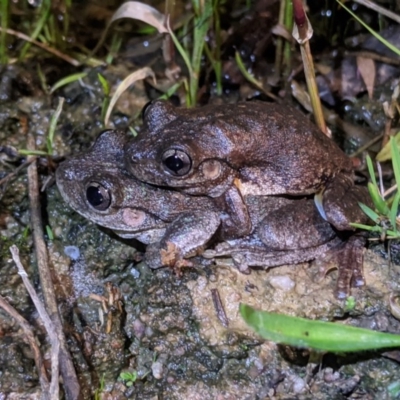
<point x="30" y="338"/>
<point x="43" y="46"/>
<point x="48" y="324"/>
<point x="70" y="380"/>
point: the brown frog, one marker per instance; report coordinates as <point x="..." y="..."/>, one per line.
<point x="256" y="147"/>
<point x="97" y="186"/>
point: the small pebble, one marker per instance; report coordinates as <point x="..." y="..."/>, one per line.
<point x="299" y="384"/>
<point x="282" y="282"/>
<point x="72" y="252"/>
<point x="138" y="328"/>
<point x="157" y="369"/>
<point x="135" y="273"/>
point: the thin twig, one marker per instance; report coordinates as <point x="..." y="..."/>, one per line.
<point x="42" y="46"/>
<point x="6" y="180"/>
<point x="48" y="324"/>
<point x="16" y="171"/>
<point x="30" y="338"/>
<point x="219" y="308"/>
<point x="68" y="373"/>
<point x="390" y="191"/>
<point x="373" y="56"/>
<point x="367" y="145"/>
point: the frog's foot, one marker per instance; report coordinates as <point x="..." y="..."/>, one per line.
<point x="220" y="249"/>
<point x="168" y="256"/>
<point x="240" y="262"/>
<point x="350" y="258"/>
<point x="225" y="249"/>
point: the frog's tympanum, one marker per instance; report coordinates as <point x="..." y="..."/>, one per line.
<point x="256" y="147"/>
<point x="176" y="226"/>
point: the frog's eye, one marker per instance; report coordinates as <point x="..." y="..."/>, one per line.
<point x="176" y="162"/>
<point x="98" y="196"/>
<point x="145" y="109"/>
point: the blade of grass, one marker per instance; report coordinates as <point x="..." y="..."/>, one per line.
<point x="53" y="124"/>
<point x="394" y="210"/>
<point x="386" y="152"/>
<point x="369" y="212"/>
<point x="318" y="335"/>
<point x="377" y="199"/>
<point x="4" y="25"/>
<point x="395" y="160"/>
<point x="67" y="80"/>
<point x="140" y="74"/>
<point x="39" y="27"/>
<point x="375" y="228"/>
<point x="374" y="33"/>
<point x="371" y="171"/>
<point x="246" y="74"/>
<point x="203" y="13"/>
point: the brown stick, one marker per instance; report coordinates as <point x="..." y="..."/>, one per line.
<point x="30" y="338"/>
<point x="49" y="326"/>
<point x="71" y="384"/>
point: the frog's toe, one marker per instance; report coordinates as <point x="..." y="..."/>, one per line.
<point x="240" y="262"/>
<point x="350" y="259"/>
<point x="153" y="256"/>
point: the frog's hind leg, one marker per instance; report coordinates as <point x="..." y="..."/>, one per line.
<point x="339" y="203"/>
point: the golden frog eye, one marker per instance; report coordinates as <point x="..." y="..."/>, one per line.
<point x="98" y="196"/>
<point x="176" y="162"/>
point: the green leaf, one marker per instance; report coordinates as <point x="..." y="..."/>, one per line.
<point x="376" y="197"/>
<point x="386" y="152"/>
<point x="25" y="152"/>
<point x="245" y="73"/>
<point x="126" y="376"/>
<point x="53" y="124"/>
<point x="104" y="84"/>
<point x="395" y="160"/>
<point x="49" y="232"/>
<point x="371" y="171"/>
<point x="67" y="80"/>
<point x="318" y="335"/>
<point x="393" y="211"/>
<point x="370" y="228"/>
<point x="371" y="213"/>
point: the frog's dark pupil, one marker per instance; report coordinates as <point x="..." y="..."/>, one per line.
<point x="94" y="196"/>
<point x="174" y="163"/>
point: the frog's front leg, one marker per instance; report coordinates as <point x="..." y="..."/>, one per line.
<point x="236" y="222"/>
<point x="339" y="202"/>
<point x="185" y="237"/>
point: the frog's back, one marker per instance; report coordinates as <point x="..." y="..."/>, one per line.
<point x="278" y="150"/>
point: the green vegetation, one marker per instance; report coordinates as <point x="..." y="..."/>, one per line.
<point x="129" y="378"/>
<point x="317" y="335"/>
<point x="99" y="391"/>
<point x="385" y="214"/>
